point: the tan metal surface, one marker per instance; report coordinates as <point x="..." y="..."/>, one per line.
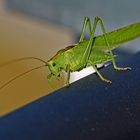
<point x="22" y="36"/>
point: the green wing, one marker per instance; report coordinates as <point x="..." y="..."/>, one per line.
<point x="115" y="38"/>
<point x="118" y="37"/>
<point x="99" y="56"/>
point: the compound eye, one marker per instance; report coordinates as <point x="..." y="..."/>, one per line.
<point x="54" y="64"/>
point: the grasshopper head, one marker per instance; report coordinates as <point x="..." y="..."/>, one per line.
<point x="54" y="68"/>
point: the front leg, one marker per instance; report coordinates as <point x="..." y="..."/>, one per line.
<point x="98" y="73"/>
<point x="49" y="78"/>
<point x="68" y="75"/>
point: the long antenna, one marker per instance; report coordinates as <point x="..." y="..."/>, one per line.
<point x="20" y="75"/>
<point x="20" y="59"/>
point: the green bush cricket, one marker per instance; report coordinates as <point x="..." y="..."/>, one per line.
<point x="89" y="52"/>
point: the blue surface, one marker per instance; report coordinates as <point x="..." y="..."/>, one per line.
<point x="88" y="110"/>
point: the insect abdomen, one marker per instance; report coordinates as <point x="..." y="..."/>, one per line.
<point x="119" y="36"/>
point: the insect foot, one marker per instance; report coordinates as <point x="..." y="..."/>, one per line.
<point x="107" y="81"/>
<point x="123" y="69"/>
